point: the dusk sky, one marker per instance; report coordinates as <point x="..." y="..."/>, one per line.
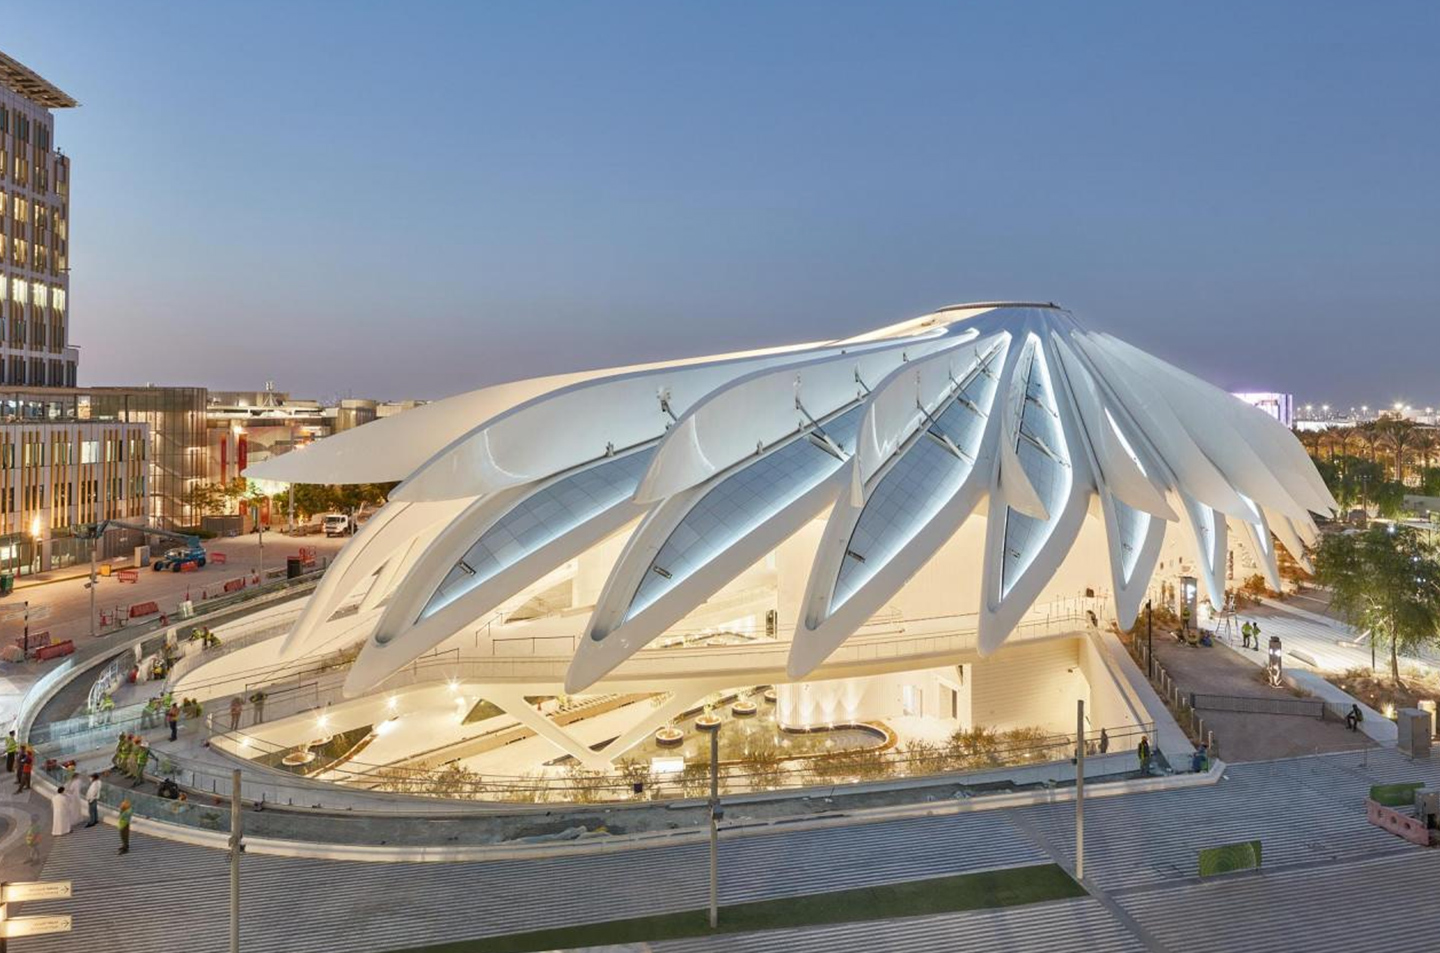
<point x="414" y="199"/>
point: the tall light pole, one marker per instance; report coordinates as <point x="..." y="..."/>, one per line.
<point x="94" y="555"/>
<point x="715" y="815"/>
<point x="1080" y="789"/>
<point x="1149" y="641"/>
<point x="237" y="846"/>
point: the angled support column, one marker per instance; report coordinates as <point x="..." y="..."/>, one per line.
<point x="512" y="702"/>
<point x="682" y="696"/>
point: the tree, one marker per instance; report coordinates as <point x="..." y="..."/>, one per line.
<point x="206" y="498"/>
<point x="1384" y="581"/>
<point x="1389" y="499"/>
<point x="1399" y="435"/>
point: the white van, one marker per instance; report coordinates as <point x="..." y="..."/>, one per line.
<point x="338" y="524"/>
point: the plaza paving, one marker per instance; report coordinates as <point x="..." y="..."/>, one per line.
<point x="1331" y="881"/>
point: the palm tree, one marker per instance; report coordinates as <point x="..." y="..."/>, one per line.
<point x="1399" y="435"/>
<point x="1341" y="435"/>
<point x="1425" y="443"/>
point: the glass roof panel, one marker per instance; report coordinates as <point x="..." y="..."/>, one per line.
<point x="1040" y="447"/>
<point x="915" y="488"/>
<point x="541" y="517"/>
<point x="742" y="501"/>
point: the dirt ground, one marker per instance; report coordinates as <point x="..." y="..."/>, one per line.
<point x="1246" y="736"/>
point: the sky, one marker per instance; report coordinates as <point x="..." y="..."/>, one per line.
<point x="415" y="199"/>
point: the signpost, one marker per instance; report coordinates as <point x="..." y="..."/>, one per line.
<point x="32" y="891"/>
<point x="28" y="615"/>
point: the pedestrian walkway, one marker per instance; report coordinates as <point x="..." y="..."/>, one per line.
<point x="1141" y="856"/>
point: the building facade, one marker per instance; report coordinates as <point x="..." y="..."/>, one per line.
<point x="175" y="418"/>
<point x="60" y="474"/>
<point x="34" y="233"/>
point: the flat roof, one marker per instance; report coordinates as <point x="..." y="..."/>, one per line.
<point x="34" y="87"/>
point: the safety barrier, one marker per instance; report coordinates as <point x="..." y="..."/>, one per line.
<point x="1310" y="708"/>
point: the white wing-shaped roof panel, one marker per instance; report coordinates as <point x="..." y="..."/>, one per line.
<point x="759" y="409"/>
<point x="1207" y="415"/>
<point x="895" y="411"/>
<point x="1122" y="467"/>
<point x="581" y="422"/>
<point x="392" y="448"/>
<point x="1186" y="462"/>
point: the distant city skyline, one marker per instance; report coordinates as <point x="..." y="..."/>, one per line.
<point x="278" y="192"/>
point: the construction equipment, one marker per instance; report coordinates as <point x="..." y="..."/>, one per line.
<point x="176" y="559"/>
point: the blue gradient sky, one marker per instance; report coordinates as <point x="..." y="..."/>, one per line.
<point x="415" y="199"/>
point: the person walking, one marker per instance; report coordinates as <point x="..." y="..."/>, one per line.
<point x="1142" y="751"/>
<point x="172" y="719"/>
<point x="25" y="769"/>
<point x="1104" y="741"/>
<point x="122" y="751"/>
<point x="123" y="824"/>
<point x="92" y="800"/>
<point x="11" y="747"/>
<point x="236" y="707"/>
<point x="1255" y="634"/>
<point x="32" y="844"/>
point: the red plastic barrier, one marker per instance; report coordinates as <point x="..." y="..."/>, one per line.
<point x="38" y="640"/>
<point x="218" y="559"/>
<point x="307" y="555"/>
<point x="57" y="650"/>
<point x="234" y="585"/>
<point x="128" y="575"/>
<point x="143" y="608"/>
<point x="189" y="567"/>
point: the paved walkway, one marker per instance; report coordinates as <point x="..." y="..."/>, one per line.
<point x="1221" y="669"/>
<point x="1140" y="861"/>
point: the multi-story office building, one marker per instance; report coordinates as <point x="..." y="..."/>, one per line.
<point x="175" y="418"/>
<point x="34" y="233"/>
<point x="60" y="472"/>
<point x="70" y="457"/>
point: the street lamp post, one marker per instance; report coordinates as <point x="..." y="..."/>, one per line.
<point x="1080" y="789"/>
<point x="1149" y="641"/>
<point x="715" y="815"/>
<point x="94" y="555"/>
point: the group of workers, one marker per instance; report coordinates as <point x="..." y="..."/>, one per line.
<point x="131" y="756"/>
<point x="19" y="760"/>
<point x="1199" y="761"/>
<point x="206" y="638"/>
<point x="1250" y="633"/>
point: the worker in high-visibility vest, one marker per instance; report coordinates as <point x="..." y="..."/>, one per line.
<point x="11" y="747"/>
<point x="123" y="823"/>
<point x="122" y="751"/>
<point x="142" y="758"/>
